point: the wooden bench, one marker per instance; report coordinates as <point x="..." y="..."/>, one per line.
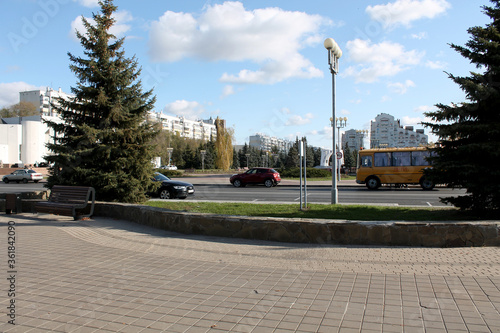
<point x="69" y="201"/>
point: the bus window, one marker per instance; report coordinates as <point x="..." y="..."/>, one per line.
<point x="401" y="158"/>
<point x="419" y="158"/>
<point x="366" y="161"/>
<point x="382" y="159"/>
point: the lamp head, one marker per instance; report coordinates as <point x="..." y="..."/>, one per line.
<point x="329" y="43"/>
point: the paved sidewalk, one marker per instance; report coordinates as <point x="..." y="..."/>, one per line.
<point x="104" y="275"/>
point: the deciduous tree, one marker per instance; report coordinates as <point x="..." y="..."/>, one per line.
<point x="224" y="145"/>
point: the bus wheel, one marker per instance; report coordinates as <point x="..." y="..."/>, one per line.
<point x="372" y="183"/>
<point x="426" y="184"/>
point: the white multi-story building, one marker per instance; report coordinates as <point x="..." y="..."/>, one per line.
<point x="42" y="99"/>
<point x="266" y="143"/>
<point x="354" y="139"/>
<point x="23" y="139"/>
<point x="194" y="129"/>
<point x="388" y="132"/>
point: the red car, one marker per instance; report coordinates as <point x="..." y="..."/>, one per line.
<point x="266" y="176"/>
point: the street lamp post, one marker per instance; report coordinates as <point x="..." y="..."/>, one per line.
<point x="334" y="53"/>
<point x="275" y="159"/>
<point x="341" y="123"/>
<point x="169" y="151"/>
<point x="203" y="152"/>
<point x="362" y="134"/>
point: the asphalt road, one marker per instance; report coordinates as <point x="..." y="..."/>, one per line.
<point x="413" y="196"/>
<point x="223" y="191"/>
<point x="13" y="187"/>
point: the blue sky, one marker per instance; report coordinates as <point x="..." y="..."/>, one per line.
<point x="260" y="65"/>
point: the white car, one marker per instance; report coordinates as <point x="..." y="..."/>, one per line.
<point x="23" y="175"/>
<point x="169" y="167"/>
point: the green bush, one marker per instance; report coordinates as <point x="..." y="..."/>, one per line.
<point x="310" y="173"/>
<point x="170" y="173"/>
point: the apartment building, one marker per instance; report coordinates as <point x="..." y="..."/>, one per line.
<point x="194" y="129"/>
<point x="354" y="139"/>
<point x="266" y="143"/>
<point x="388" y="132"/>
<point x="43" y="100"/>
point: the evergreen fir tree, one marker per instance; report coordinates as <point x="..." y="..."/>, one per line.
<point x="292" y="159"/>
<point x="236" y="160"/>
<point x="189" y="157"/>
<point x="104" y="139"/>
<point x="469" y="132"/>
<point x="349" y="160"/>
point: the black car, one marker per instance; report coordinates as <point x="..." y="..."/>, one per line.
<point x="171" y="189"/>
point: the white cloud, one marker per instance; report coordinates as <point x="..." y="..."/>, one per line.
<point x="420" y="35"/>
<point x="435" y="64"/>
<point x="9" y="92"/>
<point x="325" y="134"/>
<point x="400" y="87"/>
<point x="295" y="120"/>
<point x="424" y="108"/>
<point x="412" y="121"/>
<point x="118" y="29"/>
<point x="404" y="12"/>
<point x="378" y="60"/>
<point x="228" y="90"/>
<point x="88" y="3"/>
<point x="189" y="110"/>
<point x="269" y="37"/>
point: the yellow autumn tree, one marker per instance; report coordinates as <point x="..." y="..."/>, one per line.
<point x="223" y="145"/>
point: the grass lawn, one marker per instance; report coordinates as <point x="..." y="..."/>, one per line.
<point x="317" y="211"/>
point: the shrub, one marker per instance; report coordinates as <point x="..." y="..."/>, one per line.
<point x="310" y="173"/>
<point x="170" y="173"/>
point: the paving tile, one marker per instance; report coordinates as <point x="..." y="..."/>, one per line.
<point x="123" y="277"/>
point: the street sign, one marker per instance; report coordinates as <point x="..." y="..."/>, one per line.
<point x="339" y="155"/>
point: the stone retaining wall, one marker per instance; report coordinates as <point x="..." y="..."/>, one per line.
<point x="295" y="230"/>
<point x="429" y="234"/>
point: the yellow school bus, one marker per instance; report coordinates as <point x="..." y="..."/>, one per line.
<point x="394" y="166"/>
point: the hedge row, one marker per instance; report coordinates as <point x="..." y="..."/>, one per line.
<point x="310" y="173"/>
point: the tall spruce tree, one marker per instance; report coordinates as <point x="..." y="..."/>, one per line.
<point x="104" y="140"/>
<point x="469" y="132"/>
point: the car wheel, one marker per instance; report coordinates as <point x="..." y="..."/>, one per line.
<point x="25" y="180"/>
<point x="268" y="183"/>
<point x="237" y="183"/>
<point x="6" y="180"/>
<point x="372" y="183"/>
<point x="165" y="194"/>
<point x="426" y="184"/>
